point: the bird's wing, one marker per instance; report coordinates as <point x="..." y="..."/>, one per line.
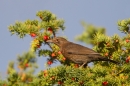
<point x="73" y="48"/>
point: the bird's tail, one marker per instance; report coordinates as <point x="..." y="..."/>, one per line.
<point x="106" y="59"/>
<point x="113" y="61"/>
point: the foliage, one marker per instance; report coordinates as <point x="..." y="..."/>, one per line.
<point x="87" y="35"/>
<point x="69" y="74"/>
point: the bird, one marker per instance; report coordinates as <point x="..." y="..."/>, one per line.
<point x="77" y="53"/>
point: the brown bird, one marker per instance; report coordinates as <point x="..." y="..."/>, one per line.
<point x="78" y="53"/>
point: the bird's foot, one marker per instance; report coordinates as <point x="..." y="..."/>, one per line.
<point x="82" y="65"/>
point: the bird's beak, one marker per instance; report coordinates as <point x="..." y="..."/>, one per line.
<point x="49" y="41"/>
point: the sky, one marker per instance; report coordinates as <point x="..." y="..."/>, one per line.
<point x="99" y="13"/>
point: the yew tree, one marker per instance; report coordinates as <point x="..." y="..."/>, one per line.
<point x="67" y="73"/>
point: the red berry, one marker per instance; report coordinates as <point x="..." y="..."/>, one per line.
<point x="64" y="58"/>
<point x="59" y="82"/>
<point x="104" y="83"/>
<point x="49" y="62"/>
<point x="26" y="65"/>
<point x="73" y="78"/>
<point x="38" y="46"/>
<point x="52" y="78"/>
<point x="117" y="40"/>
<point x="127" y="40"/>
<point x="4" y="85"/>
<point x="46" y="74"/>
<point x="45" y="38"/>
<point x="50" y="29"/>
<point x="76" y="65"/>
<point x="127" y="60"/>
<point x="108" y="44"/>
<point x="128" y="57"/>
<point x="106" y="54"/>
<point x="33" y="35"/>
<point x="53" y="55"/>
<point x="81" y="82"/>
<point x="59" y="52"/>
<point x="45" y="71"/>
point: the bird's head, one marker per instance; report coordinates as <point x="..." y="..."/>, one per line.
<point x="59" y="41"/>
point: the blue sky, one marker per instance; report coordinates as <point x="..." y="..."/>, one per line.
<point x="100" y="13"/>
